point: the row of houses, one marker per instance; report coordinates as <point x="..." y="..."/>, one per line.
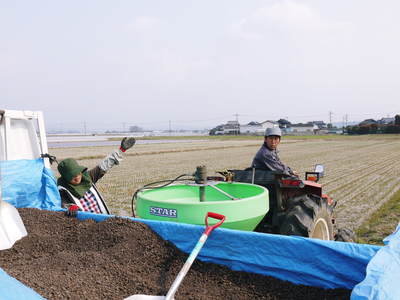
<point x="257" y="128"/>
<point x="313" y="127"/>
<point x="383" y="121"/>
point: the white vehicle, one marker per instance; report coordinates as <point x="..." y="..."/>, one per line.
<point x="18" y="137"/>
<point x="18" y="141"/>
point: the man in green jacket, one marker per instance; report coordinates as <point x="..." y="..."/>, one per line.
<point x="77" y="184"/>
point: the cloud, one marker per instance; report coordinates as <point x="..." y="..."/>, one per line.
<point x="144" y="24"/>
<point x="286" y="16"/>
<point x="239" y="29"/>
<point x="288" y="12"/>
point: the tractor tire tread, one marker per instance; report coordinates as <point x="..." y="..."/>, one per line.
<point x="302" y="214"/>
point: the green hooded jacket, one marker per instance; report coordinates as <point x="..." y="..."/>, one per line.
<point x="68" y="169"/>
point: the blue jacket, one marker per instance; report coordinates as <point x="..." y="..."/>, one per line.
<point x="268" y="159"/>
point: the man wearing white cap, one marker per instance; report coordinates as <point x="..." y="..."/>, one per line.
<point x="267" y="157"/>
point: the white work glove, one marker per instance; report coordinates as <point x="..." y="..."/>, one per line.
<point x="114" y="158"/>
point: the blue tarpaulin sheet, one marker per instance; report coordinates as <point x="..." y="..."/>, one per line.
<point x="299" y="260"/>
<point x="28" y="183"/>
<point x="383" y="273"/>
<point x="12" y="289"/>
<point x="312" y="262"/>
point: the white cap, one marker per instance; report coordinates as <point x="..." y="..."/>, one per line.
<point x="273" y="131"/>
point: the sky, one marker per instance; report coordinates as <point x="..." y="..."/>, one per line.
<point x="197" y="64"/>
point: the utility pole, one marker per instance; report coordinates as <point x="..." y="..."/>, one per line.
<point x="345" y="120"/>
<point x="330" y="117"/>
<point x="237" y="120"/>
<point x="84" y="127"/>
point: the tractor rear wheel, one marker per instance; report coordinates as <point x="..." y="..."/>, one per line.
<point x="308" y="216"/>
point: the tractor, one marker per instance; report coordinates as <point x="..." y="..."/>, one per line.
<point x="291" y="206"/>
<point x="296" y="207"/>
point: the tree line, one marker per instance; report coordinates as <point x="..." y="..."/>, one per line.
<point x="375" y="128"/>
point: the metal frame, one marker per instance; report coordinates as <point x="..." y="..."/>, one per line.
<point x="7" y="115"/>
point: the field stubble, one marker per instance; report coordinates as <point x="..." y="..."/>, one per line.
<point x="361" y="173"/>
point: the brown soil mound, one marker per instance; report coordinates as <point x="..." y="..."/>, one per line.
<point x="63" y="258"/>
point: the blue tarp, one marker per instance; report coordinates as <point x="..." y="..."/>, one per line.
<point x="383" y="273"/>
<point x="28" y="183"/>
<point x="312" y="262"/>
<point x="12" y="289"/>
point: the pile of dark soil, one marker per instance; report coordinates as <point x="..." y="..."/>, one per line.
<point x="63" y="258"/>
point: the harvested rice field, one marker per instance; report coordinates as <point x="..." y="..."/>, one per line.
<point x="361" y="172"/>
